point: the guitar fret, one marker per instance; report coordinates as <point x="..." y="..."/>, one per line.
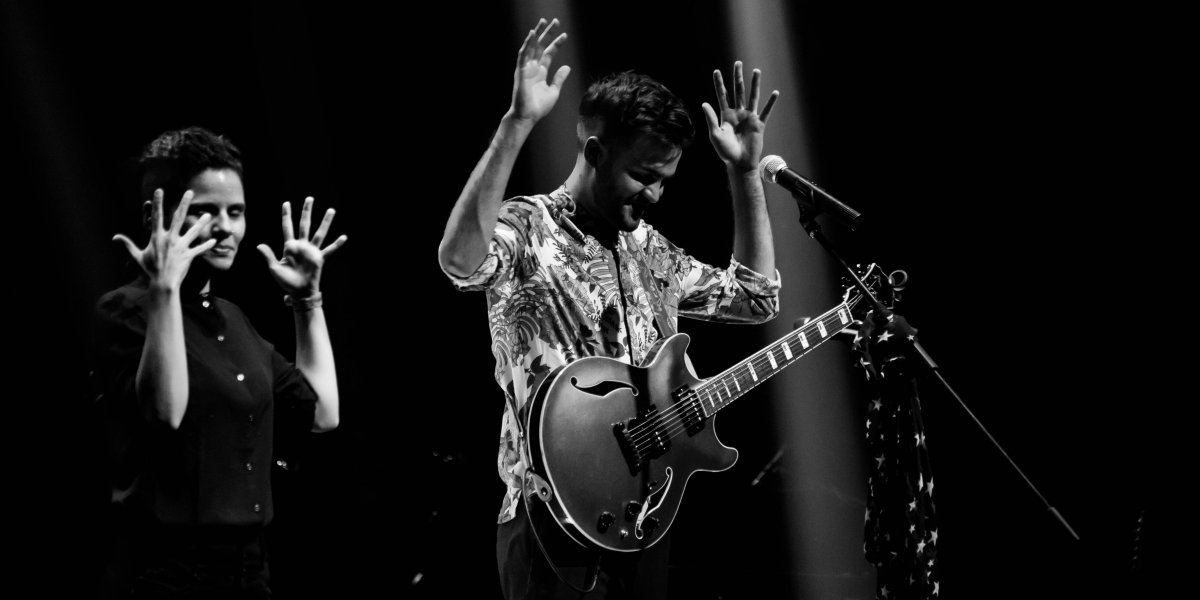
<point x="748" y="370"/>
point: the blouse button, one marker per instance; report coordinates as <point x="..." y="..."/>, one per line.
<point x="206" y="304"/>
<point x="249" y="466"/>
<point x="220" y="337"/>
<point x="257" y="507"/>
<point x="251" y="418"/>
<point x="241" y="377"/>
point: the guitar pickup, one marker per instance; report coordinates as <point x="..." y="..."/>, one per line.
<point x="641" y="439"/>
<point x="689" y="409"/>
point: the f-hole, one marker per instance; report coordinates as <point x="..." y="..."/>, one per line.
<point x="603" y="388"/>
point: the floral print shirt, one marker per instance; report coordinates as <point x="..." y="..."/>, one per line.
<point x="555" y="295"/>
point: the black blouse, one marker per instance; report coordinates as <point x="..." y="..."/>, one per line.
<point x="242" y="395"/>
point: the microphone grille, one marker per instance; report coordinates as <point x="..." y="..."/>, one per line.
<point x="770" y="165"/>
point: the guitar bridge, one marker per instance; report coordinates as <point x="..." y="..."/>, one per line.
<point x="641" y="439"/>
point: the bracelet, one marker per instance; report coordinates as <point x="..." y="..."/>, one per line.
<point x="303" y="304"/>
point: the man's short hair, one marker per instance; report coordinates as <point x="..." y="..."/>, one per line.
<point x="624" y="105"/>
<point x="174" y="158"/>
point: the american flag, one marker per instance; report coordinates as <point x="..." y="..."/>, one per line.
<point x="901" y="533"/>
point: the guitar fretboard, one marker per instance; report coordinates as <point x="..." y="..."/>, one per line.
<point x="720" y="391"/>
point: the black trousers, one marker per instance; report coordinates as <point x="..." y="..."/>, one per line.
<point x="525" y="573"/>
<point x="199" y="563"/>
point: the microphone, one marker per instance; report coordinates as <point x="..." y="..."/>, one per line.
<point x="775" y="170"/>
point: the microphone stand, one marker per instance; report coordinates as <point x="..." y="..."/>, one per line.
<point x="808" y="214"/>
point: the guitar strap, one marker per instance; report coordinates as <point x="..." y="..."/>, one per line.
<point x="562" y="207"/>
<point x="666" y="328"/>
<point x="593" y="572"/>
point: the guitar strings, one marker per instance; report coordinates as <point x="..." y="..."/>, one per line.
<point x="679" y="425"/>
<point x="641" y="441"/>
<point x="650" y="429"/>
<point x="651" y="426"/>
<point x="760" y="360"/>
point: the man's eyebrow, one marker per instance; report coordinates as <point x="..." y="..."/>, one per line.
<point x="659" y="172"/>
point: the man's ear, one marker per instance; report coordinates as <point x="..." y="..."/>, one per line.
<point x="594" y="151"/>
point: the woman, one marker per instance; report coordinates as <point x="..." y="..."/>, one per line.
<point x="201" y="397"/>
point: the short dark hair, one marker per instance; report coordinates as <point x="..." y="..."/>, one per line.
<point x="175" y="157"/>
<point x="621" y="105"/>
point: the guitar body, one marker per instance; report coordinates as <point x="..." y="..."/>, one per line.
<point x="612" y="446"/>
<point x="614" y="449"/>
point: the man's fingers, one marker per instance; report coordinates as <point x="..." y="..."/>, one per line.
<point x="546" y="31"/>
<point x="561" y="75"/>
<point x="531" y="48"/>
<point x="288" y="234"/>
<point x="766" y="111"/>
<point x="719" y="88"/>
<point x="526" y="51"/>
<point x="552" y="49"/>
<point x="711" y="117"/>
<point x="752" y="103"/>
<point x="739" y="86"/>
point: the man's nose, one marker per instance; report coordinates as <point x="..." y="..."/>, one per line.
<point x="652" y="193"/>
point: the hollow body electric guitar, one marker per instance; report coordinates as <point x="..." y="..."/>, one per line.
<point x="612" y="446"/>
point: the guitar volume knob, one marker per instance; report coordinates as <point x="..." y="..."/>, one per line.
<point x="632" y="510"/>
<point x="649" y="525"/>
<point x="605" y="521"/>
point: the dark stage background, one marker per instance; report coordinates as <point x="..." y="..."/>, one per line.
<point x="1008" y="158"/>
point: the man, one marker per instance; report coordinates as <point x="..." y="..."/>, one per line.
<point x="197" y="397"/>
<point x="577" y="273"/>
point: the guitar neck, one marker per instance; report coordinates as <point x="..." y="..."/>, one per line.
<point x="720" y="391"/>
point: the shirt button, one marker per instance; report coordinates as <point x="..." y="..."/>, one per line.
<point x="251" y="418"/>
<point x="241" y="377"/>
<point x="257" y="507"/>
<point x="220" y="337"/>
<point x="249" y="466"/>
<point x="205" y="304"/>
